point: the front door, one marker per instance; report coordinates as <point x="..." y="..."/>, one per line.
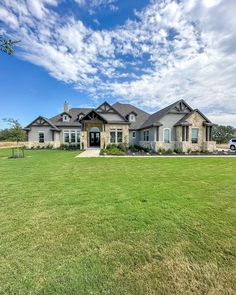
<point x="94" y="139"/>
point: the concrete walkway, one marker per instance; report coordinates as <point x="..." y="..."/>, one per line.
<point x="89" y="153"/>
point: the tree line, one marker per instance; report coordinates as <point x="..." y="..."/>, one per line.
<point x="14" y="132"/>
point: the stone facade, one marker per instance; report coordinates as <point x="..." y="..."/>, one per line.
<point x="105" y="130"/>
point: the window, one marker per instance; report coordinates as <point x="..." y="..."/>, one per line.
<point x="166" y="135"/>
<point x="112" y="136"/>
<point x="132" y="118"/>
<point x="71" y="136"/>
<point x="146" y="135"/>
<point x="41" y="137"/>
<point x="119" y="135"/>
<point x="134" y="134"/>
<point x="194" y="135"/>
<point x="66" y="136"/>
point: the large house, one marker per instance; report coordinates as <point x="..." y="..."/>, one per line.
<point x="175" y="126"/>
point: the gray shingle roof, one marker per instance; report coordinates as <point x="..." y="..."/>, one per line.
<point x="124" y="109"/>
<point x="74" y="112"/>
<point x="156" y="117"/>
<point x="46" y="120"/>
<point x="143" y="119"/>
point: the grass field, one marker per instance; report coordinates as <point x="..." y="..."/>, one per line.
<point x="117" y="225"/>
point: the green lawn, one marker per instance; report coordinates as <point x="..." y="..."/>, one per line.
<point x="117" y="225"/>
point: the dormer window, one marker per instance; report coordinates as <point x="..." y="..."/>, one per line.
<point x="80" y="116"/>
<point x="65" y="118"/>
<point x="132" y="118"/>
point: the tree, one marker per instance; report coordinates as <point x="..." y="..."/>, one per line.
<point x="7" y="45"/>
<point x="222" y="134"/>
<point x="14" y="133"/>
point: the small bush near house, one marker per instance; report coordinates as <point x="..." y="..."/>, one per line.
<point x="161" y="151"/>
<point x="169" y="151"/>
<point x="137" y="148"/>
<point x="178" y="151"/>
<point x="49" y="146"/>
<point x="112" y="149"/>
<point x="133" y="149"/>
<point x="122" y="147"/>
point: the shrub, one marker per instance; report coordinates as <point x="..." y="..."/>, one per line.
<point x="49" y="146"/>
<point x="161" y="151"/>
<point x="122" y="147"/>
<point x="112" y="149"/>
<point x="169" y="151"/>
<point x="111" y="146"/>
<point x="64" y="146"/>
<point x="133" y="149"/>
<point x="178" y="150"/>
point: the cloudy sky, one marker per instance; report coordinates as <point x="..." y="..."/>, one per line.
<point x="149" y="53"/>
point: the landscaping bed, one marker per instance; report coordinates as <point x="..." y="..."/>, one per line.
<point x="135" y="150"/>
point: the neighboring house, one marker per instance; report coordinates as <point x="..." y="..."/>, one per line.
<point x="176" y="126"/>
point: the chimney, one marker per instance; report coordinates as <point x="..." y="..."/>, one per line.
<point x="66" y="107"/>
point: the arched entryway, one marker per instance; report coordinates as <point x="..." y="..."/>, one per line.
<point x="94" y="137"/>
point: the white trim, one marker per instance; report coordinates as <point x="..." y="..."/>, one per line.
<point x="144" y="137"/>
<point x="169" y="135"/>
<point x="71" y="131"/>
<point x="132" y="118"/>
<point x="116" y="130"/>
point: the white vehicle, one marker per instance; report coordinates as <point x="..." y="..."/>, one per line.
<point x="232" y="144"/>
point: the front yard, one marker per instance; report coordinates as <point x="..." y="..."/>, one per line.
<point x="117" y="225"/>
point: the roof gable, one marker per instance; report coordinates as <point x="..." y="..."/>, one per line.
<point x="181" y="107"/>
<point x="178" y="107"/>
<point x="105" y="108"/>
<point x="41" y="122"/>
<point x="93" y="115"/>
<point x="66" y="113"/>
<point x="184" y="120"/>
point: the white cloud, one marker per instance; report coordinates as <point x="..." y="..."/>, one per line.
<point x="172" y="49"/>
<point x="93" y="4"/>
<point x="223" y="118"/>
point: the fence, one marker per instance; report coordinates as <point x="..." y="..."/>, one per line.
<point x="6" y="144"/>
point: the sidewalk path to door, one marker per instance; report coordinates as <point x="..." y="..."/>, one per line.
<point x="88" y="153"/>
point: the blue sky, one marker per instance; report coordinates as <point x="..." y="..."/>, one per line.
<point x="149" y="53"/>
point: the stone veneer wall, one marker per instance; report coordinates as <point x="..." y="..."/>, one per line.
<point x="104" y="134"/>
<point x="197" y="122"/>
